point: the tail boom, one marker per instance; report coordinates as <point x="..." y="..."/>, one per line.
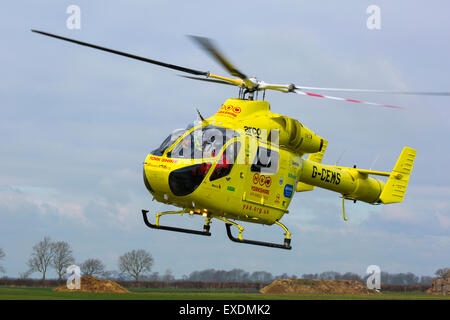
<point x="357" y="184"/>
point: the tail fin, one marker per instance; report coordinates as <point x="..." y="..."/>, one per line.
<point x="395" y="187"/>
<point x="316" y="157"/>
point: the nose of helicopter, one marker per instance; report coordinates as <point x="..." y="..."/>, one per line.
<point x="147" y="184"/>
<point x="162" y="178"/>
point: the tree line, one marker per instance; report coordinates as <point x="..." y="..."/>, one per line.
<point x="136" y="265"/>
<point x="58" y="255"/>
<point x="239" y="275"/>
<point x="407" y="278"/>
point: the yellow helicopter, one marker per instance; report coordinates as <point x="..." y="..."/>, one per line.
<point x="245" y="162"/>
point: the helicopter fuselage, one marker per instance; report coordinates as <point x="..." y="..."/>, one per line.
<point x="253" y="173"/>
<point x="258" y="188"/>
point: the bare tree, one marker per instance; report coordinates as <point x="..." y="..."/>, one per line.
<point x="92" y="267"/>
<point x="2" y="255"/>
<point x="62" y="257"/>
<point x="154" y="276"/>
<point x="261" y="276"/>
<point x="25" y="275"/>
<point x="442" y="273"/>
<point x="135" y="263"/>
<point x="42" y="256"/>
<point x="168" y="275"/>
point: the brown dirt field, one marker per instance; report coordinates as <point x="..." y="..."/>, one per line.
<point x="316" y="286"/>
<point x="91" y="284"/>
<point x="440" y="286"/>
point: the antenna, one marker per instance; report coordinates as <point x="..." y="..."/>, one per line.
<point x="340" y="157"/>
<point x="199" y="114"/>
<point x="374" y="161"/>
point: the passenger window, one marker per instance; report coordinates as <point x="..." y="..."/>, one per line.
<point x="266" y="161"/>
<point x="226" y="162"/>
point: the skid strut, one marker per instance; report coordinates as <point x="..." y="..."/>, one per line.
<point x="205" y="231"/>
<point x="239" y="239"/>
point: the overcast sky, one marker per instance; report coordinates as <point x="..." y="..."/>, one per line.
<point x="76" y="125"/>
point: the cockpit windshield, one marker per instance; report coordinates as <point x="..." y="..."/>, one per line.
<point x="204" y="142"/>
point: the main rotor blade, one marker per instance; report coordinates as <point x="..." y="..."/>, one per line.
<point x="208" y="80"/>
<point x="212" y="49"/>
<point x="128" y="55"/>
<point x="375" y="91"/>
<point x="344" y="99"/>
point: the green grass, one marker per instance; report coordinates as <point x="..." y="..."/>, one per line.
<point x="22" y="293"/>
<point x="174" y="290"/>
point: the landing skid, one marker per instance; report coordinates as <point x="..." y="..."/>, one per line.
<point x="205" y="231"/>
<point x="228" y="223"/>
<point x="286" y="245"/>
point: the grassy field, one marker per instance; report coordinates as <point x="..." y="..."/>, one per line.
<point x="23" y="293"/>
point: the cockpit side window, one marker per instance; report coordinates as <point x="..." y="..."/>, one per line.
<point x="226" y="162"/>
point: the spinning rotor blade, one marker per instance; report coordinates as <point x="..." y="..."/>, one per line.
<point x="243" y="82"/>
<point x="344" y="99"/>
<point x="293" y="88"/>
<point x="208" y="45"/>
<point x="208" y="80"/>
<point x="159" y="63"/>
<point x="376" y="91"/>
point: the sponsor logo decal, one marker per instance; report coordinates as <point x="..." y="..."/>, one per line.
<point x="288" y="190"/>
<point x="160" y="159"/>
<point x="260" y="190"/>
<point x="262" y="180"/>
<point x="229" y="110"/>
<point x="277" y="198"/>
<point x="252" y="131"/>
